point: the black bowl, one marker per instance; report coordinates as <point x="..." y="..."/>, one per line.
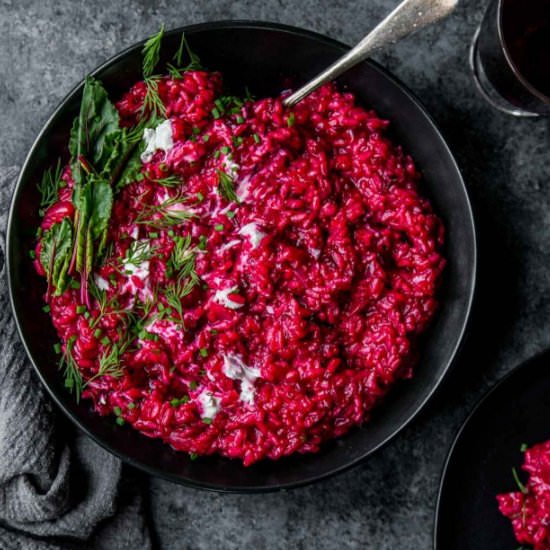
<point x="264" y="57"/>
<point x="479" y="464"/>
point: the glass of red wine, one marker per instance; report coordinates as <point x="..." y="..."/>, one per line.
<point x="510" y="56"/>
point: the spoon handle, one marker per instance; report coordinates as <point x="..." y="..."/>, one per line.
<point x="408" y="17"/>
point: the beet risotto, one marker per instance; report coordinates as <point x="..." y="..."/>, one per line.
<point x="529" y="508"/>
<point x="230" y="275"/>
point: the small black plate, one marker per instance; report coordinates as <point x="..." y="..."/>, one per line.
<point x="487" y="447"/>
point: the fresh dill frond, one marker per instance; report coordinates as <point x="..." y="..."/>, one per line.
<point x="176" y="69"/>
<point x="226" y="187"/>
<point x="139" y="252"/>
<point x="71" y="371"/>
<point x="167" y="214"/>
<point x="168" y="181"/>
<point x="151" y="52"/>
<point x="152" y="102"/>
<point x="49" y="187"/>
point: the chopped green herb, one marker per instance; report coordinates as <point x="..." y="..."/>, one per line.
<point x="57" y="347"/>
<point x="131" y="405"/>
<point x="239" y="119"/>
<point x="256" y="138"/>
<point x="97" y="332"/>
<point x="200" y="196"/>
<point x="225" y="150"/>
<point x="74" y="284"/>
<point x="193" y="385"/>
<point x="120" y="421"/>
<point x="193" y="456"/>
<point x="203" y="240"/>
<point x="46" y="309"/>
<point x="217" y="154"/>
<point x="230" y="214"/>
<point x="523" y="447"/>
<point x="207" y="420"/>
<point x="237" y="140"/>
<point x="219" y="227"/>
<point x="291" y="119"/>
<point x="32" y="254"/>
<point x="213" y="331"/>
<point x="80" y="309"/>
<point x="105" y="341"/>
<point x="117" y="411"/>
<point x="203" y="352"/>
<point x="215" y="113"/>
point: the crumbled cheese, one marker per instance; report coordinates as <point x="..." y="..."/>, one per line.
<point x="157" y="138"/>
<point x="243" y="189"/>
<point x="251" y="231"/>
<point x="230" y="166"/>
<point x="315" y="252"/>
<point x="222" y="297"/>
<point x="230" y="244"/>
<point x="234" y="368"/>
<point x="101" y="283"/>
<point x="210" y="404"/>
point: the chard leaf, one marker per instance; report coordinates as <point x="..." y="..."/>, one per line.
<point x="55" y="254"/>
<point x="94" y="131"/>
<point x="102" y="205"/>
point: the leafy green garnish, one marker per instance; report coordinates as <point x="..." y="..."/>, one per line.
<point x="95" y="133"/>
<point x="49" y="187"/>
<point x="55" y="255"/>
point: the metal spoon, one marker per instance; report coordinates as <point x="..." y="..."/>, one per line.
<point x="408" y="17"/>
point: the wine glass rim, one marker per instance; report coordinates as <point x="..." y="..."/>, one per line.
<point x="515" y="69"/>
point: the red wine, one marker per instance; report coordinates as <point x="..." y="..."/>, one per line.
<point x="526" y="35"/>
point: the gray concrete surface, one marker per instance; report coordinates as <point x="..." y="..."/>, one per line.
<point x="388" y="502"/>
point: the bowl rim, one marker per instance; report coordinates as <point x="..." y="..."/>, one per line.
<point x="461" y="333"/>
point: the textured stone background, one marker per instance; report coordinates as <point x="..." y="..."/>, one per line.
<point x="46" y="47"/>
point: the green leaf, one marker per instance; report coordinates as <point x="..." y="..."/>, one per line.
<point x="102" y="205"/>
<point x="55" y="254"/>
<point x="95" y="131"/>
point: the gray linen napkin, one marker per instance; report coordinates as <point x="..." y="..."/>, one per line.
<point x="58" y="489"/>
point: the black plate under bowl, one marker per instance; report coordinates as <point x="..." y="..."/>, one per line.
<point x="264" y="57"/>
<point x="487" y="447"/>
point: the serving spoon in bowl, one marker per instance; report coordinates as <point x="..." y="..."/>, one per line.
<point x="408" y="17"/>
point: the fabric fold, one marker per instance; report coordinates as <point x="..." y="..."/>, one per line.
<point x="56" y="485"/>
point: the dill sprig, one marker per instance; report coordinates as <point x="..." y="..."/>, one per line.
<point x="49" y="187"/>
<point x="182" y="257"/>
<point x="176" y="292"/>
<point x="175" y="69"/>
<point x="151" y="52"/>
<point x="166" y="214"/>
<point x="168" y="181"/>
<point x="152" y="102"/>
<point x="106" y="306"/>
<point x="139" y="252"/>
<point x="71" y="371"/>
<point x="226" y="187"/>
